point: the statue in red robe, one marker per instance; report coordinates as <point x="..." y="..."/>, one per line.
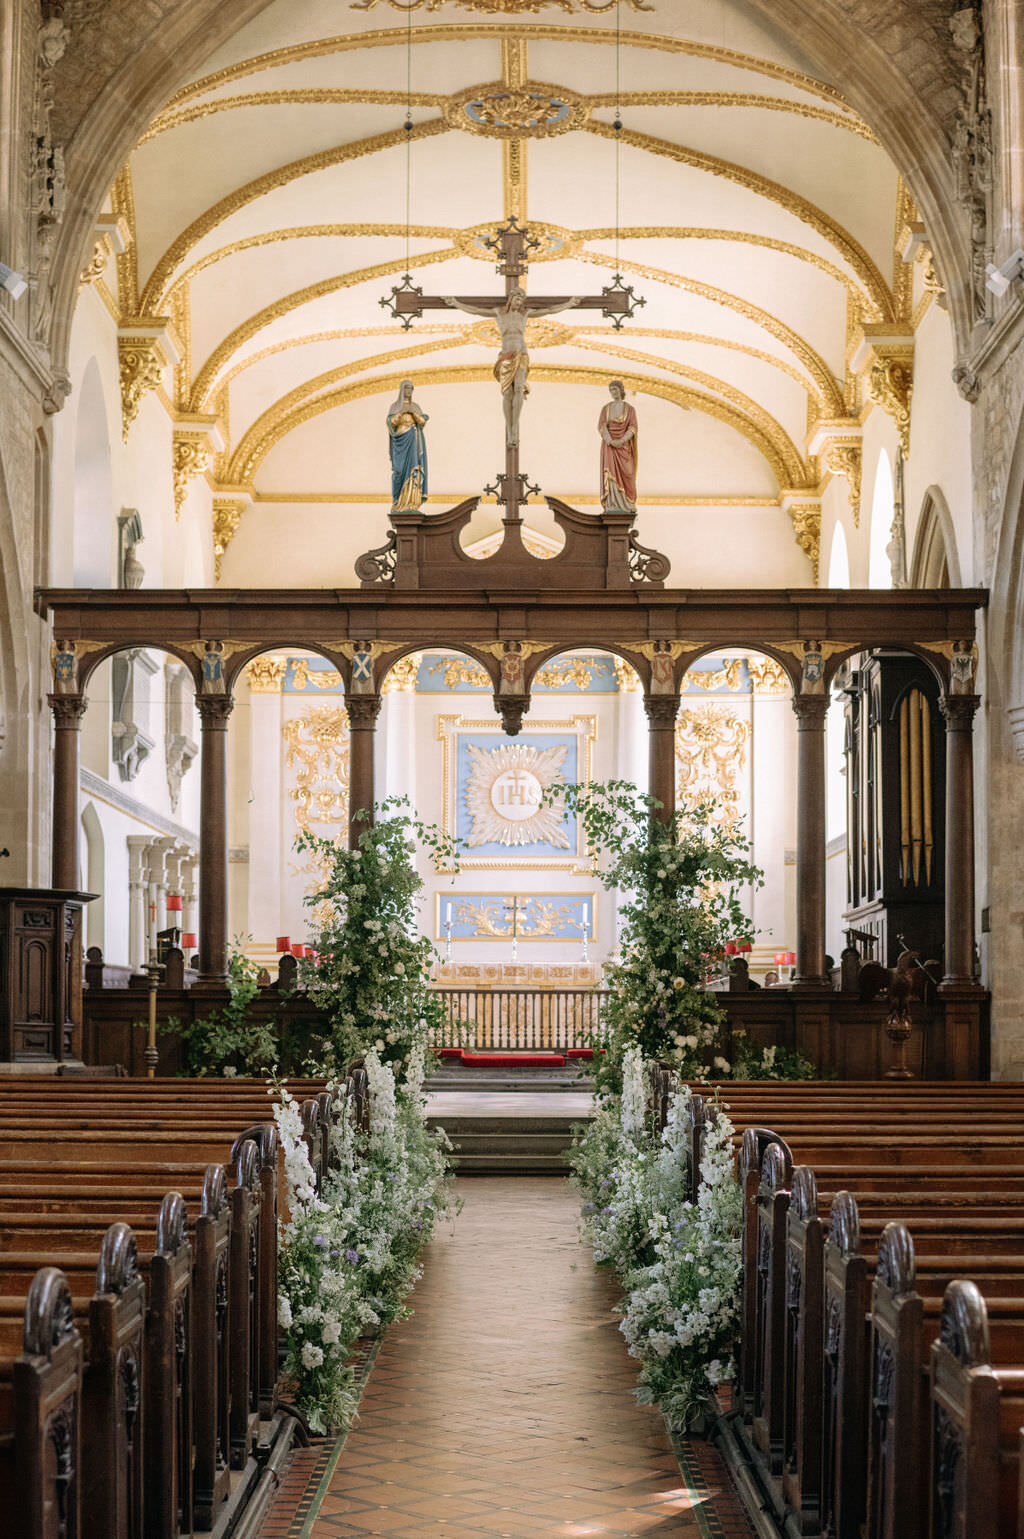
<point x="617" y="427"/>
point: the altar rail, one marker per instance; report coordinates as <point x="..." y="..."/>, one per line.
<point x="493" y="1020"/>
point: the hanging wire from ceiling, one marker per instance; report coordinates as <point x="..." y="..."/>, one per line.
<point x="617" y="125"/>
<point x="408" y="133"/>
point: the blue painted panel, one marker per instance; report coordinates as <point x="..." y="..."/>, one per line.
<point x="480" y="758"/>
<point x="538" y="916"/>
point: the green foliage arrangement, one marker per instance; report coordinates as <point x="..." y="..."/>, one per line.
<point x="228" y="1041"/>
<point x="372" y="968"/>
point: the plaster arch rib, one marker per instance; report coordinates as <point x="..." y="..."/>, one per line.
<point x="155" y="60"/>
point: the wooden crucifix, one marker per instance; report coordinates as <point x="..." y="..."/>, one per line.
<point x="511" y="310"/>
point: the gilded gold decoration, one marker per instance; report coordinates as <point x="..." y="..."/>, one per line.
<point x="745" y="99"/>
<point x="826" y="387"/>
<point x="536" y="920"/>
<point x="578" y="671"/>
<point x="902" y="272"/>
<point x="317" y="232"/>
<point x="768" y="676"/>
<point x="503" y="7"/>
<point x="467" y="374"/>
<point x="265" y="675"/>
<point x="401" y="676"/>
<point x="556" y="242"/>
<point x="309" y="96"/>
<point x="255" y="323"/>
<point x="318" y="754"/>
<point x="807" y="529"/>
<point x="676" y="649"/>
<point x="527" y="649"/>
<point x="190" y="456"/>
<point x="502" y="110"/>
<point x="268" y="182"/>
<point x="711" y="753"/>
<point x="391" y="37"/>
<point x="179" y="305"/>
<point x="227" y="515"/>
<point x="803" y="209"/>
<point x="501" y="974"/>
<point x="122" y="201"/>
<point x="140" y="363"/>
<point x="461" y="670"/>
<point x="890" y="386"/>
<point x="504" y="793"/>
<point x="729" y="676"/>
<point x="304" y="677"/>
<point x="626" y="677"/>
<point x="844" y="459"/>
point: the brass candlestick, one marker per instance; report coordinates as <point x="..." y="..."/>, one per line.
<point x="152" y="1055"/>
<point x="898" y="1027"/>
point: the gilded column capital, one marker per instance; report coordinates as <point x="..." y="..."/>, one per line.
<point x="662" y="710"/>
<point x="806" y="520"/>
<point x="68" y="710"/>
<point x="891" y="386"/>
<point x="512" y="709"/>
<point x="844" y="459"/>
<point x="363" y="711"/>
<point x="959" y="711"/>
<point x="140" y="362"/>
<point x="810" y="711"/>
<point x="190" y="456"/>
<point x="214" y="711"/>
<point x="227" y="515"/>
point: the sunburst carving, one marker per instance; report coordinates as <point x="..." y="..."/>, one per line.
<point x="504" y="796"/>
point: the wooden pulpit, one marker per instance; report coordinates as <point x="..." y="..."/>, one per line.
<point x="40" y="974"/>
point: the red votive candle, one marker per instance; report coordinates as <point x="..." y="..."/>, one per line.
<point x="188" y="942"/>
<point x="173" y="903"/>
<point x="283" y="943"/>
<point x="730" y="948"/>
<point x="298" y="949"/>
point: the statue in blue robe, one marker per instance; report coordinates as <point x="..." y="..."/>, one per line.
<point x="408" y="451"/>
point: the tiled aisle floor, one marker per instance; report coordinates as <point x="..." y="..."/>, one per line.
<point x="505" y="1405"/>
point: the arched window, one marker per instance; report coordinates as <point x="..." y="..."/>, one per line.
<point x="883" y="507"/>
<point x="839" y="560"/>
<point x="94" y="525"/>
<point x="935" y="564"/>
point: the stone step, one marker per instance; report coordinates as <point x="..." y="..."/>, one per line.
<point x="497" y="1143"/>
<point x="518" y="1163"/>
<point x="459" y="1126"/>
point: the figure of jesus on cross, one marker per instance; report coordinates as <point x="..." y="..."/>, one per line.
<point x="511" y="311"/>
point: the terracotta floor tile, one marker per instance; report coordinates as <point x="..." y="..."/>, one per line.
<point x="504" y="1405"/>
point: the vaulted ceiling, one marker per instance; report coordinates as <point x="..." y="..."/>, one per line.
<point x="278" y="197"/>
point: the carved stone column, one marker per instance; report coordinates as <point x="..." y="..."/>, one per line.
<point x="68" y="711"/>
<point x="214" y="711"/>
<point x="363" y="711"/>
<point x="662" y="711"/>
<point x="811" y="711"/>
<point x="138" y="844"/>
<point x="958" y="711"/>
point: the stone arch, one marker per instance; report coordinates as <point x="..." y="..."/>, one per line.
<point x="889" y="91"/>
<point x="935" y="562"/>
<point x="92" y="527"/>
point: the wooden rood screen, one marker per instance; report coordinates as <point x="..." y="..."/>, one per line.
<point x="880" y="1392"/>
<point x="525" y="1020"/>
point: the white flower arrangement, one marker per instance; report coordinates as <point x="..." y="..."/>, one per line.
<point x="347" y="1257"/>
<point x="679" y="1261"/>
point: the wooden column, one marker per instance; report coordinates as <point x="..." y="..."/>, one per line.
<point x="811" y="710"/>
<point x="214" y="711"/>
<point x="363" y="711"/>
<point x="958" y="711"/>
<point x="662" y="711"/>
<point x="68" y="711"/>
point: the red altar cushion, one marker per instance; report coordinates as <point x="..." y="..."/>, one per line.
<point x="516" y="1060"/>
<point x="580" y="1052"/>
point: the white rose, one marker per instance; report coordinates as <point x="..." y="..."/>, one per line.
<point x="331" y="1333"/>
<point x="722" y="1063"/>
<point x="284" y="1312"/>
<point x="312" y="1356"/>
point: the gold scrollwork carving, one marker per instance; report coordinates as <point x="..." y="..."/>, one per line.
<point x="711" y="753"/>
<point x="768" y="676"/>
<point x="844" y="459"/>
<point x="304" y="677"/>
<point x="890" y="386"/>
<point x="227" y="515"/>
<point x="460" y="670"/>
<point x="807" y="529"/>
<point x="502" y="110"/>
<point x="266" y="674"/>
<point x="140" y="362"/>
<point x="579" y="671"/>
<point x="729" y="676"/>
<point x="190" y="456"/>
<point x="317" y="752"/>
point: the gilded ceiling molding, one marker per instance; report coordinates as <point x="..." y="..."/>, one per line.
<point x="180" y="307"/>
<point x="825" y="386"/>
<point x="514" y="153"/>
<point x="341" y="334"/>
<point x="860" y="296"/>
<point x="314" y="232"/>
<point x="250" y="450"/>
<point x="533" y="110"/>
<point x="111" y="237"/>
<point x="752" y="99"/>
<point x="902" y="271"/>
<point x="312" y="96"/>
<point x="227" y="515"/>
<point x="505" y="7"/>
<point x="392" y="37"/>
<point x="797" y="473"/>
<point x="466" y="374"/>
<point x="323" y="160"/>
<point x="122" y="201"/>
<point x="801" y="208"/>
<point x="207" y="375"/>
